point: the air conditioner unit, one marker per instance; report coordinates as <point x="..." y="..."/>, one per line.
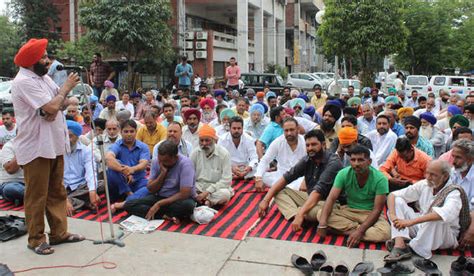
<point x="201" y="45"/>
<point x="190" y="56"/>
<point x="189" y="45"/>
<point x="189" y="35"/>
<point x="201" y="35"/>
<point x="201" y="54"/>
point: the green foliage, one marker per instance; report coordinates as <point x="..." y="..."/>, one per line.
<point x="79" y="52"/>
<point x="134" y="29"/>
<point x="277" y="69"/>
<point x="36" y="18"/>
<point x="9" y="43"/>
<point x="363" y="30"/>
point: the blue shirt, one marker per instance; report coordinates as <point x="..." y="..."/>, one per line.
<point x="97" y="110"/>
<point x="184" y="79"/>
<point x="398" y="129"/>
<point x="425" y="146"/>
<point x="181" y="175"/>
<point x="131" y="157"/>
<point x="271" y="132"/>
<point x="79" y="168"/>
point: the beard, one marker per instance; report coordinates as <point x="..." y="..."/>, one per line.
<point x="382" y="131"/>
<point x="290" y="138"/>
<point x="426" y="132"/>
<point x="327" y="126"/>
<point x="40" y="69"/>
<point x="207" y="115"/>
<point x="315" y="154"/>
<point x="462" y="169"/>
<point x="236" y="135"/>
<point x="208" y="149"/>
<point x="192" y="126"/>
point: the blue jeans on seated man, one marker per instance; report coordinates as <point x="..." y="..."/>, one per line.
<point x="13" y="191"/>
<point x="97" y="91"/>
<point x="118" y="185"/>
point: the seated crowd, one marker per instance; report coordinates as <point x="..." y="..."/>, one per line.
<point x="397" y="170"/>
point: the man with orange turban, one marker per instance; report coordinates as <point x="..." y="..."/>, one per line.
<point x="40" y="145"/>
<point x="347" y="141"/>
<point x="213" y="169"/>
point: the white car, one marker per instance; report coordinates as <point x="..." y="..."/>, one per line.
<point x="305" y="81"/>
<point x="324" y="77"/>
<point x="458" y="84"/>
<point x="343" y="85"/>
<point x="5" y="92"/>
<point x="418" y="83"/>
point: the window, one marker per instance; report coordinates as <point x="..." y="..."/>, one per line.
<point x="417" y="81"/>
<point x="306" y="77"/>
<point x="356" y="84"/>
<point x="457" y="82"/>
<point x="439" y="81"/>
<point x="470" y="82"/>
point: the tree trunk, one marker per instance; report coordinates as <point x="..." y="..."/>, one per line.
<point x="366" y="78"/>
<point x="129" y="70"/>
<point x="350" y="67"/>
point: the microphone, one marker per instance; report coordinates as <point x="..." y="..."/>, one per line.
<point x="70" y="67"/>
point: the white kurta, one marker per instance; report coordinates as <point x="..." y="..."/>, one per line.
<point x="432" y="235"/>
<point x="286" y="158"/>
<point x="192" y="138"/>
<point x="382" y="145"/>
<point x="244" y="154"/>
<point x="306" y="124"/>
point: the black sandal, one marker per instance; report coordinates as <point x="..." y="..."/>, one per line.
<point x="71" y="238"/>
<point x="43" y="249"/>
<point x="398" y="254"/>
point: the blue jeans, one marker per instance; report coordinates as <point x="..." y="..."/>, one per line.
<point x="118" y="185"/>
<point x="12" y="191"/>
<point x="97" y="91"/>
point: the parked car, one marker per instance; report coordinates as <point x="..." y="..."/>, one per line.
<point x="344" y="84"/>
<point x="5" y="92"/>
<point x="325" y="78"/>
<point x="460" y="84"/>
<point x="418" y="83"/>
<point x="305" y="81"/>
<point x="257" y="81"/>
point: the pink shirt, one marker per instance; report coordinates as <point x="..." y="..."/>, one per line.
<point x="448" y="157"/>
<point x="36" y="136"/>
<point x="233" y="75"/>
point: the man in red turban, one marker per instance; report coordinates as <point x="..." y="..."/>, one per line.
<point x="40" y="145"/>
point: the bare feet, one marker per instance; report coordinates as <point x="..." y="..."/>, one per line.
<point x="173" y="219"/>
<point x="207" y="203"/>
<point x="116" y="206"/>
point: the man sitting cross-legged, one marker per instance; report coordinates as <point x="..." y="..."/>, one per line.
<point x="213" y="169"/>
<point x="287" y="150"/>
<point x="444" y="214"/>
<point x="241" y="148"/>
<point x="126" y="161"/>
<point x="170" y="194"/>
<point x="80" y="176"/>
<point x="319" y="169"/>
<point x="366" y="189"/>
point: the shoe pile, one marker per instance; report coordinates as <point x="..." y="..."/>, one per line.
<point x="462" y="266"/>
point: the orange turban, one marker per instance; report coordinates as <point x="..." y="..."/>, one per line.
<point x="347" y="135"/>
<point x="207" y="131"/>
<point x="260" y="94"/>
<point x="405" y="112"/>
<point x="30" y="53"/>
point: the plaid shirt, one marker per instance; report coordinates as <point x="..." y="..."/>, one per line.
<point x="100" y="72"/>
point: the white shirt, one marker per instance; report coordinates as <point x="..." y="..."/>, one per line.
<point x="107" y="144"/>
<point x="7" y="154"/>
<point x="281" y="151"/>
<point x="368" y="126"/>
<point x="398" y="83"/>
<point x="467" y="183"/>
<point x="192" y="138"/>
<point x="418" y="112"/>
<point x="421" y="192"/>
<point x="411" y="103"/>
<point x="129" y="106"/>
<point x="244" y="154"/>
<point x="6" y="135"/>
<point x="382" y="144"/>
<point x="306" y="124"/>
<point x="197" y="83"/>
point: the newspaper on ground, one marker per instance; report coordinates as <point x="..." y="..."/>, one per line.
<point x="137" y="224"/>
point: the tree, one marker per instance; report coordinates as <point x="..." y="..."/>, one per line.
<point x="134" y="29"/>
<point x="36" y="18"/>
<point x="363" y="31"/>
<point x="9" y="43"/>
<point x="79" y="52"/>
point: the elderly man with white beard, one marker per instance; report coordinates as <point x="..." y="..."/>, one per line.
<point x="430" y="132"/>
<point x="444" y="214"/>
<point x="256" y="124"/>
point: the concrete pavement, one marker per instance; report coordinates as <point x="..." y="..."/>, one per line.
<point x="167" y="253"/>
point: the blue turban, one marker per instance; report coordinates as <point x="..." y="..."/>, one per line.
<point x="74" y="127"/>
<point x="428" y="116"/>
<point x="270" y="94"/>
<point x="110" y="98"/>
<point x="257" y="108"/>
<point x="310" y="110"/>
<point x="135" y="95"/>
<point x="226" y="112"/>
<point x="219" y="93"/>
<point x="335" y="102"/>
<point x="93" y="99"/>
<point x="265" y="107"/>
<point x="454" y="110"/>
<point x="297" y="101"/>
<point x="304" y="97"/>
<point x="366" y="89"/>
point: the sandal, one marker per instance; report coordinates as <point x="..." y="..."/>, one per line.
<point x="398" y="254"/>
<point x="391" y="269"/>
<point x="427" y="266"/>
<point x="43" y="249"/>
<point x="71" y="238"/>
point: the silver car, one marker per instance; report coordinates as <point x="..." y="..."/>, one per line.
<point x="306" y="81"/>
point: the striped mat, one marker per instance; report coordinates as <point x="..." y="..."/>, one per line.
<point x="275" y="226"/>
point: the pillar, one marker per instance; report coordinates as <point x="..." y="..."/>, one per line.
<point x="258" y="39"/>
<point x="271" y="40"/>
<point x="242" y="35"/>
<point x="281" y="40"/>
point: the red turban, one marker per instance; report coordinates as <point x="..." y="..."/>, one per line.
<point x="190" y="112"/>
<point x="207" y="101"/>
<point x="31" y="52"/>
